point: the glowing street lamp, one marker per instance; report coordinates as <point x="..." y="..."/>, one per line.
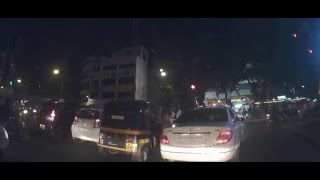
<point x="19" y="81"/>
<point x="56" y="71"/>
<point x="193" y="87"/>
<point x="161" y="70"/>
<point x="294" y="35"/>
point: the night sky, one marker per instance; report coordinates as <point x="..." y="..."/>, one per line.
<point x="48" y="43"/>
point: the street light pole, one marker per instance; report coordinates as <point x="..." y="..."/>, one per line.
<point x="56" y="72"/>
<point x="61" y="93"/>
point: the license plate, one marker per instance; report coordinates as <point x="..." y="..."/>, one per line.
<point x="191" y="137"/>
<point x="117" y="117"/>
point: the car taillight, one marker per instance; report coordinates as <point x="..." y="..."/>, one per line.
<point x="96" y="123"/>
<point x="52" y="115"/>
<point x="224" y="137"/>
<point x="75" y="120"/>
<point x="164" y="138"/>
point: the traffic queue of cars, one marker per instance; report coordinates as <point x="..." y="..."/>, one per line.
<point x="133" y="128"/>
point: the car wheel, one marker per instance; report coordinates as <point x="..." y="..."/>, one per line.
<point x="236" y="158"/>
<point x="25" y="136"/>
<point x="104" y="155"/>
<point x="144" y="155"/>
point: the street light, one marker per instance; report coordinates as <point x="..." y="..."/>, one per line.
<point x="302" y="86"/>
<point x="19" y="81"/>
<point x="161" y="70"/>
<point x="57" y="72"/>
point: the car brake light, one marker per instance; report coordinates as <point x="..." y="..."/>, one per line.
<point x="96" y="123"/>
<point x="53" y="114"/>
<point x="164" y="138"/>
<point x="224" y="137"/>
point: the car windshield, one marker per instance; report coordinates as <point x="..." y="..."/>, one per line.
<point x="203" y="116"/>
<point x="88" y="114"/>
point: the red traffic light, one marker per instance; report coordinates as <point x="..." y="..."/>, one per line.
<point x="193" y="87"/>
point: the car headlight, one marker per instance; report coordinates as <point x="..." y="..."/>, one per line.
<point x="25" y="111"/>
<point x="268" y="116"/>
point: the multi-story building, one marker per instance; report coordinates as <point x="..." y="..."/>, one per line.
<point x="123" y="75"/>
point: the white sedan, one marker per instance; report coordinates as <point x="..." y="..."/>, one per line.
<point x="205" y="134"/>
<point x="86" y="125"/>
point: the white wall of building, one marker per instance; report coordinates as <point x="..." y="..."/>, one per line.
<point x="137" y="56"/>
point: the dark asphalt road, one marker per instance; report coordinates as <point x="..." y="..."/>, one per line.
<point x="290" y="142"/>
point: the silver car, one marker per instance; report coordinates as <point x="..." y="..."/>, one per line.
<point x="206" y="134"/>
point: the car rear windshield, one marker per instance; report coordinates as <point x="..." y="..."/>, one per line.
<point x="88" y="114"/>
<point x="203" y="116"/>
<point x="123" y="114"/>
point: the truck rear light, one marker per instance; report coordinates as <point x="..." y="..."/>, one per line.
<point x="224" y="137"/>
<point x="164" y="138"/>
<point x="131" y="144"/>
<point x="97" y="123"/>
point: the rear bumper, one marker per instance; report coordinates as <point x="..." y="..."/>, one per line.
<point x="86" y="134"/>
<point x="203" y="154"/>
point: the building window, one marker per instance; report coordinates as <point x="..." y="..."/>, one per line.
<point x="109" y="82"/>
<point x="111" y="67"/>
<point x="129" y="65"/>
<point x="126" y="95"/>
<point x="94" y="95"/>
<point x="95" y="83"/>
<point x="96" y="69"/>
<point x="110" y="95"/>
<point x="126" y="80"/>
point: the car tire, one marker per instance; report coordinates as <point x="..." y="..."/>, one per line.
<point x="143" y="155"/>
<point x="104" y="155"/>
<point x="236" y="158"/>
<point x="25" y="136"/>
<point x="1" y="154"/>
